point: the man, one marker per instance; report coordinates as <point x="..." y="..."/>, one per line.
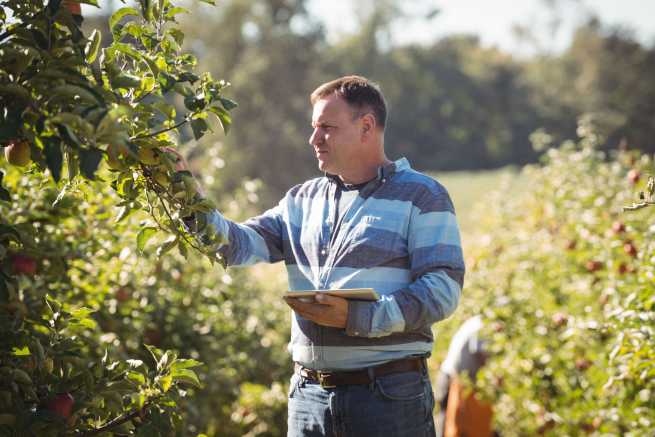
<point x="466" y="355"/>
<point x="368" y="222"/>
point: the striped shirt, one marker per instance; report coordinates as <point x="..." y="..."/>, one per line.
<point x="399" y="236"/>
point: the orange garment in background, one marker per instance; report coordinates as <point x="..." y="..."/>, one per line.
<point x="466" y="415"/>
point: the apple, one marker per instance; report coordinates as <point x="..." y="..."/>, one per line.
<point x="62" y="405"/>
<point x="623" y="269"/>
<point x="18" y="153"/>
<point x="115" y="154"/>
<point x="161" y="177"/>
<point x="122" y="294"/>
<point x="148" y="156"/>
<point x="48" y="365"/>
<point x="23" y="264"/>
<point x="630" y="249"/>
<point x="634" y="175"/>
<point x="74" y="7"/>
<point x="618" y="227"/>
<point x="582" y="364"/>
<point x="593" y="266"/>
<point x="560" y="319"/>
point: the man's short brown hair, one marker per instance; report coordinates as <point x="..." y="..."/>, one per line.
<point x="359" y="92"/>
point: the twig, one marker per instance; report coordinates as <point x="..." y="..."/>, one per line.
<point x="636" y="206"/>
<point x="154" y="134"/>
<point x="116" y="422"/>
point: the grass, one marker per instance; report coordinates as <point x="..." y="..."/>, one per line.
<point x="468" y="189"/>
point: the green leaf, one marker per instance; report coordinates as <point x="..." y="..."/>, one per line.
<point x="89" y="162"/>
<point x="199" y="127"/>
<point x="136" y="377"/>
<point x="211" y="2"/>
<point x="172" y="12"/>
<point x="91" y="49"/>
<point x="125" y="81"/>
<point x="228" y="104"/>
<point x="146" y="6"/>
<point x="21" y="352"/>
<point x="189" y="77"/>
<point x="168" y="244"/>
<point x="143" y="236"/>
<point x="123" y="213"/>
<point x="166" y="382"/>
<point x="138" y="400"/>
<point x="185" y="364"/>
<point x="186" y="376"/>
<point x="166" y="81"/>
<point x="6" y="196"/>
<point x="10" y="231"/>
<point x="14" y="90"/>
<point x="54" y="157"/>
<point x="223" y="117"/>
<point x="119" y="15"/>
<point x="75" y="122"/>
<point x="75" y="93"/>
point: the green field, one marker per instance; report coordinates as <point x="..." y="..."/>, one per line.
<point x="469" y="188"/>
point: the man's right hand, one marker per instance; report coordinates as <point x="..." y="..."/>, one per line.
<point x="180" y="162"/>
<point x="182" y="165"/>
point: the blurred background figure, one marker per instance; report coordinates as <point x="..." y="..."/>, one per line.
<point x="461" y="413"/>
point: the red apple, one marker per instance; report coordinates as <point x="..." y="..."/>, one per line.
<point x="23" y="264"/>
<point x="582" y="364"/>
<point x="634" y="175"/>
<point x="630" y="249"/>
<point x="62" y="404"/>
<point x="618" y="227"/>
<point x="122" y="294"/>
<point x="623" y="269"/>
<point x="74" y="7"/>
<point x="593" y="266"/>
<point x="560" y="319"/>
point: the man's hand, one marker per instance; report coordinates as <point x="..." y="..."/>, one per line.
<point x="327" y="310"/>
<point x="180" y="162"/>
<point x="182" y="165"/>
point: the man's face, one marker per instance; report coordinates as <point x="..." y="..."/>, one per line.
<point x="336" y="137"/>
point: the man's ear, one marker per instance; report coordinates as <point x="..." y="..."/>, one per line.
<point x="368" y="123"/>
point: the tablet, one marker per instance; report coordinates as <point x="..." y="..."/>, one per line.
<point x="347" y="293"/>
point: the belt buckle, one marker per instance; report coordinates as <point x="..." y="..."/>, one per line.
<point x="322" y="379"/>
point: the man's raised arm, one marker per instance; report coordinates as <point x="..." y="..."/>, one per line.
<point x="257" y="240"/>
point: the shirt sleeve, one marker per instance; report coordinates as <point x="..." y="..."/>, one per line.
<point x="437" y="269"/>
<point x="259" y="239"/>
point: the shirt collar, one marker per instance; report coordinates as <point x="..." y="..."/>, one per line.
<point x="384" y="171"/>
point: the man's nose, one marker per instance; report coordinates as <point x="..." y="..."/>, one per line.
<point x="313" y="137"/>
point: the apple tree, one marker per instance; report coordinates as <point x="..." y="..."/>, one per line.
<point x="66" y="106"/>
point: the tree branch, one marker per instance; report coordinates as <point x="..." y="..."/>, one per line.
<point x="154" y="134"/>
<point x="114" y="423"/>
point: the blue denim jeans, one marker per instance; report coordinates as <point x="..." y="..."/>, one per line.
<point x="394" y="405"/>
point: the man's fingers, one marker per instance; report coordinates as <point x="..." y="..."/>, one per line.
<point x="307" y="310"/>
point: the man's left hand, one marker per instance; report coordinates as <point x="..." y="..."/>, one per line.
<point x="326" y="310"/>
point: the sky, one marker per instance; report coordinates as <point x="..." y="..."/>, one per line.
<point x="494" y="20"/>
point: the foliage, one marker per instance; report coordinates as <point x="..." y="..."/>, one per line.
<point x="564" y="279"/>
<point x="93" y="315"/>
<point x="77" y="103"/>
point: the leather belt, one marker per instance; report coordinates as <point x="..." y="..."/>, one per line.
<point x="332" y="379"/>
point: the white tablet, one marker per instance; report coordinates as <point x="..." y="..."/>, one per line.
<point x="347" y="293"/>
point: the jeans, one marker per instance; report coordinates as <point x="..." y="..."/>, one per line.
<point x="394" y="405"/>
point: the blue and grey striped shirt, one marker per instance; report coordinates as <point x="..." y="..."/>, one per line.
<point x="398" y="236"/>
